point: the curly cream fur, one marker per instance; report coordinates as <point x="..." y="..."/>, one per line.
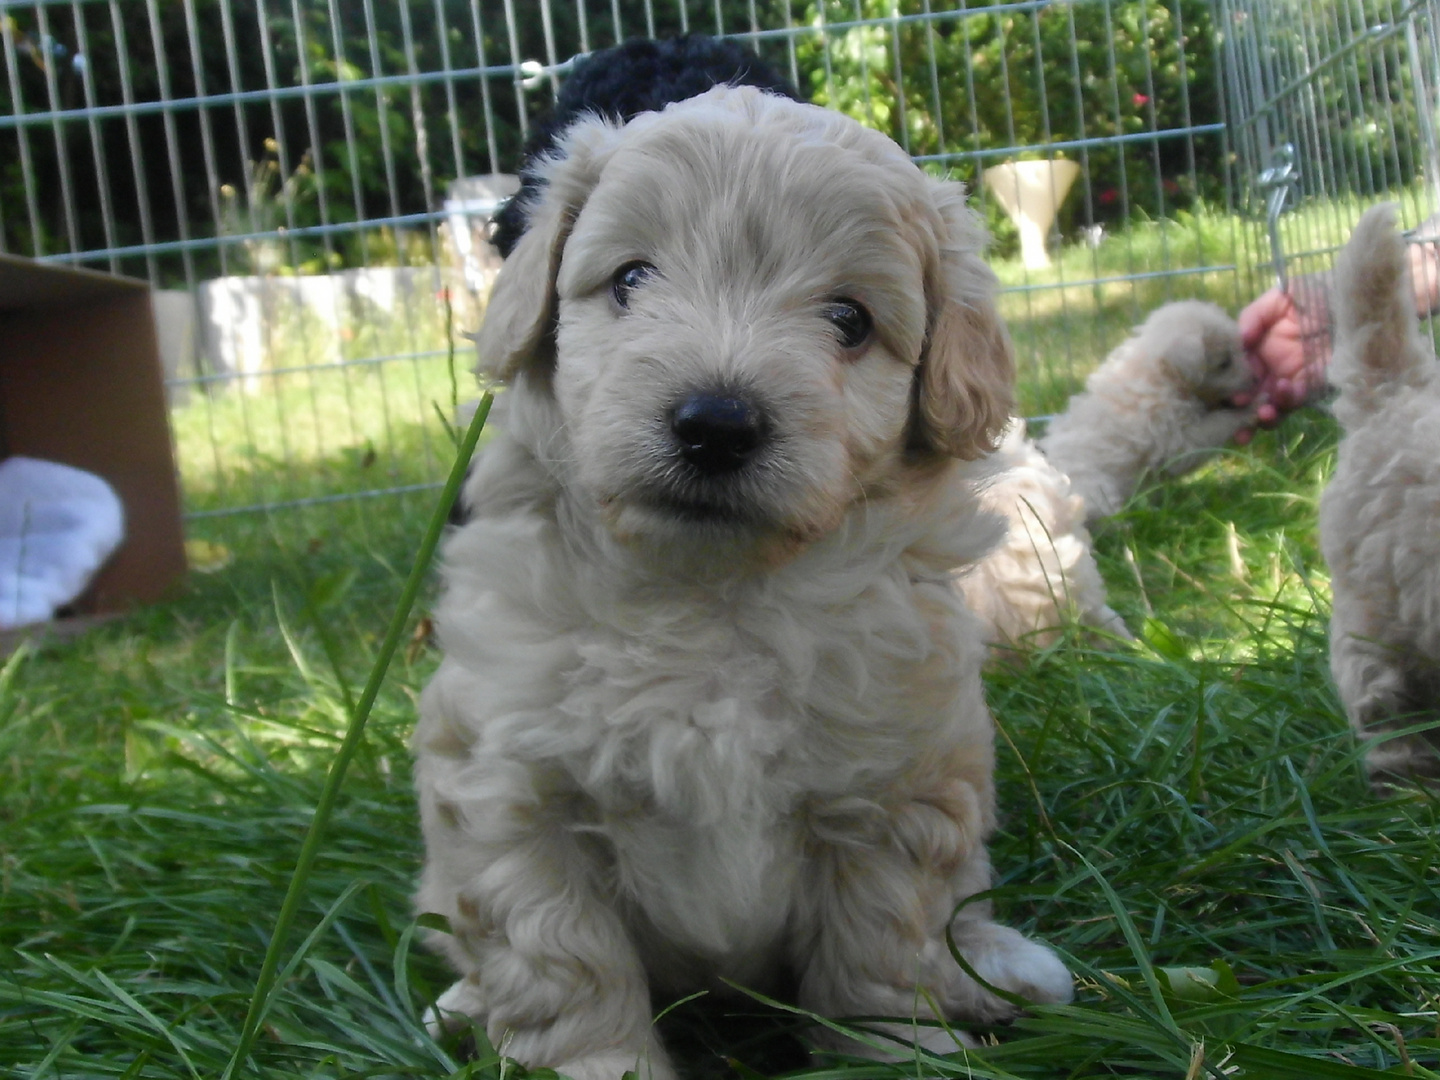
<point x="680" y="737"/>
<point x="1379" y="512"/>
<point x="1043" y="575"/>
<point x="1157" y="406"/>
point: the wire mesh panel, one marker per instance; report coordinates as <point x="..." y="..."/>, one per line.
<point x="276" y="170"/>
<point x="1335" y="103"/>
<point x="306" y="183"/>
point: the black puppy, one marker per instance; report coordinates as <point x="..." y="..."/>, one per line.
<point x="621" y="82"/>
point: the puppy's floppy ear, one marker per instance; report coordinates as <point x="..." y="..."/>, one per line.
<point x="518" y="330"/>
<point x="966" y="380"/>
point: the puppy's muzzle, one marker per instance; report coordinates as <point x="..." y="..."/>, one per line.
<point x="718" y="433"/>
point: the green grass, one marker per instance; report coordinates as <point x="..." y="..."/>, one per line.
<point x="1186" y="820"/>
<point x="332" y="412"/>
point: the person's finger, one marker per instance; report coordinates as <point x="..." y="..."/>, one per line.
<point x="1425" y="275"/>
<point x="1284" y="398"/>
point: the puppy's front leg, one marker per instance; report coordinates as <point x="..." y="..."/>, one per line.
<point x="1371" y="679"/>
<point x="1205" y="437"/>
<point x="549" y="968"/>
<point x="878" y="912"/>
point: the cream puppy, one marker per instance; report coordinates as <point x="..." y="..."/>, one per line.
<point x="1043" y="575"/>
<point x="710" y="706"/>
<point x="1157" y="406"/>
<point x="1380" y="513"/>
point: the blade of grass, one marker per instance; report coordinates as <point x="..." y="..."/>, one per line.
<point x="1281" y="1065"/>
<point x="1161" y="1014"/>
<point x="259" y="1002"/>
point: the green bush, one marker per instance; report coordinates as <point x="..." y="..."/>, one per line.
<point x="974" y="84"/>
<point x="970" y="85"/>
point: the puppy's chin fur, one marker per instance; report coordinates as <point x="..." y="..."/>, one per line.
<point x="930" y="507"/>
<point x="668" y="746"/>
<point x="646" y="534"/>
<point x="705" y="542"/>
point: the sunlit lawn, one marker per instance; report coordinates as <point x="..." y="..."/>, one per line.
<point x="1185" y="819"/>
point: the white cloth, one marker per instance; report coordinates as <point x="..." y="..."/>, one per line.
<point x="58" y="525"/>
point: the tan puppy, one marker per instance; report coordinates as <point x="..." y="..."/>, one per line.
<point x="1043" y="575"/>
<point x="710" y="706"/>
<point x="1380" y="513"/>
<point x="1157" y="406"/>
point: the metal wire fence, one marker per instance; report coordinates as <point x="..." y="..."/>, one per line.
<point x="1335" y="110"/>
<point x="306" y="182"/>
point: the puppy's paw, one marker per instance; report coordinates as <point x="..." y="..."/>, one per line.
<point x="455" y="1010"/>
<point x="647" y="1064"/>
<point x="1248" y="414"/>
<point x="1008" y="960"/>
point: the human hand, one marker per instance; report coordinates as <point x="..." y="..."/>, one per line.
<point x="1286" y="336"/>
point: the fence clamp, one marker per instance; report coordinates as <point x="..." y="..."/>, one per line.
<point x="1278" y="181"/>
<point x="531" y="73"/>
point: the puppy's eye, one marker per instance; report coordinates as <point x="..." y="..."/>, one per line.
<point x="629" y="278"/>
<point x="851" y="321"/>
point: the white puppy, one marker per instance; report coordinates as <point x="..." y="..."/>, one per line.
<point x="710" y="707"/>
<point x="1380" y="513"/>
<point x="1043" y="575"/>
<point x="1158" y="405"/>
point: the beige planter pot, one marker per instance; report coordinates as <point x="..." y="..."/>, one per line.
<point x="1031" y="193"/>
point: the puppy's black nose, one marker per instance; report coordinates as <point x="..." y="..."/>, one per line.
<point x="717" y="433"/>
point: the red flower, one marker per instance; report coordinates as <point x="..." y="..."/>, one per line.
<point x="1140" y="99"/>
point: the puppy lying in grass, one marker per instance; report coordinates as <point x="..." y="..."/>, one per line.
<point x="710" y="707"/>
<point x="1042" y="576"/>
<point x="1157" y="406"/>
<point x="1380" y="512"/>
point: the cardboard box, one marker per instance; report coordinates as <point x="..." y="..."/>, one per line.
<point x="81" y="384"/>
